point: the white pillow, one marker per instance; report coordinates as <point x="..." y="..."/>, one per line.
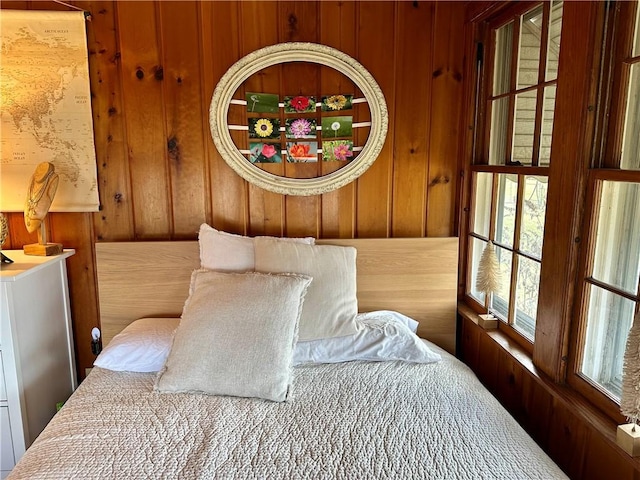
<point x="382" y="336"/>
<point x="236" y="336"/>
<point x="331" y="305"/>
<point x="228" y="252"/>
<point x="390" y="315"/>
<point x="144" y="346"/>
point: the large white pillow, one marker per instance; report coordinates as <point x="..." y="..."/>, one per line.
<point x="382" y="336"/>
<point x="228" y="252"/>
<point x="236" y="336"/>
<point x="143" y="347"/>
<point x="331" y="306"/>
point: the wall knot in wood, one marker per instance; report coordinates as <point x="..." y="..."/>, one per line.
<point x="442" y="179"/>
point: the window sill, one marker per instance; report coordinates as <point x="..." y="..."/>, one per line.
<point x="569" y="398"/>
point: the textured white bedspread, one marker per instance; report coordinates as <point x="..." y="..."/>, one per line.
<point x="356" y="420"/>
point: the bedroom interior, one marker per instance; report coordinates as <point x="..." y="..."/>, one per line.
<point x="509" y="123"/>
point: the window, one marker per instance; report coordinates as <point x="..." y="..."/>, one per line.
<point x="510" y="172"/>
<point x="611" y="265"/>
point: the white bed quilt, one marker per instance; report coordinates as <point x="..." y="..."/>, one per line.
<point x="357" y="420"/>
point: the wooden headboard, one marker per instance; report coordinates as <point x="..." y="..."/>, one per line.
<point x="415" y="276"/>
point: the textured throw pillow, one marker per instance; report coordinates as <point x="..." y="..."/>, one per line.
<point x="236" y="336"/>
<point x="229" y="252"/>
<point x="331" y="306"/>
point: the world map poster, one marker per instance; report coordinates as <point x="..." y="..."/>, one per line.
<point x="45" y="107"/>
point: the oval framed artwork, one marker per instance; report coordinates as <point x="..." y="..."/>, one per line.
<point x="242" y="162"/>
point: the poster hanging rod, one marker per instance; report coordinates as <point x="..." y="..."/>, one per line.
<point x="87" y="15"/>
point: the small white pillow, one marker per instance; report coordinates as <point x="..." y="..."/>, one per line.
<point x="144" y="346"/>
<point x="331" y="305"/>
<point x="228" y="252"/>
<point x="382" y="336"/>
<point x="236" y="336"/>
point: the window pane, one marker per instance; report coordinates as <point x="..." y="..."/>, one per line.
<point x="506" y="208"/>
<point x="533" y="212"/>
<point x="555" y="31"/>
<point x="498" y="137"/>
<point x="631" y="139"/>
<point x="617" y="252"/>
<point x="529" y="50"/>
<point x="608" y="323"/>
<point x="524" y="128"/>
<point x="527" y="296"/>
<point x="482" y="203"/>
<point x="500" y="301"/>
<point x="502" y="63"/>
<point x="548" y="110"/>
<point x="476" y="247"/>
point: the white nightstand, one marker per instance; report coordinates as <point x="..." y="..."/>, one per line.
<point x="36" y="349"/>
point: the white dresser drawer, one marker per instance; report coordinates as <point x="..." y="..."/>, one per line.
<point x="7" y="460"/>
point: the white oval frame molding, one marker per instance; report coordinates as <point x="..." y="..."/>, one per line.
<point x="297" y="52"/>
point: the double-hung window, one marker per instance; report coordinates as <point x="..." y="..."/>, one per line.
<point x="512" y="154"/>
<point x="610" y="267"/>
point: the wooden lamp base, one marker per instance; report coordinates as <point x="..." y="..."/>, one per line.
<point x="43" y="249"/>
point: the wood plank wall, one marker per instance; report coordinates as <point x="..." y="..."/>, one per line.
<point x="153" y="68"/>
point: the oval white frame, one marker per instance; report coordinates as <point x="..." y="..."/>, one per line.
<point x="297" y="52"/>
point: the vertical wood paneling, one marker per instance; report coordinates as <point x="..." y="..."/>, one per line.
<point x="15" y="4"/>
<point x="376" y="51"/>
<point x="219" y="26"/>
<point x="183" y="116"/>
<point x="537" y="405"/>
<point x="487" y="362"/>
<point x="603" y="461"/>
<point x="18" y="235"/>
<point x="446" y="105"/>
<point x="299" y="23"/>
<point x="565" y="428"/>
<point x="75" y="230"/>
<point x="470" y="344"/>
<point x="115" y="220"/>
<point x="142" y="77"/>
<point x="509" y="384"/>
<point x="266" y="209"/>
<point x="410" y="138"/>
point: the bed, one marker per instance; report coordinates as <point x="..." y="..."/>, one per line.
<point x="343" y="417"/>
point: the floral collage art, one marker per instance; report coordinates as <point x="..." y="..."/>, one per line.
<point x="300" y="124"/>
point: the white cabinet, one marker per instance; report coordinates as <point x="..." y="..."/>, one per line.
<point x="37" y="359"/>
